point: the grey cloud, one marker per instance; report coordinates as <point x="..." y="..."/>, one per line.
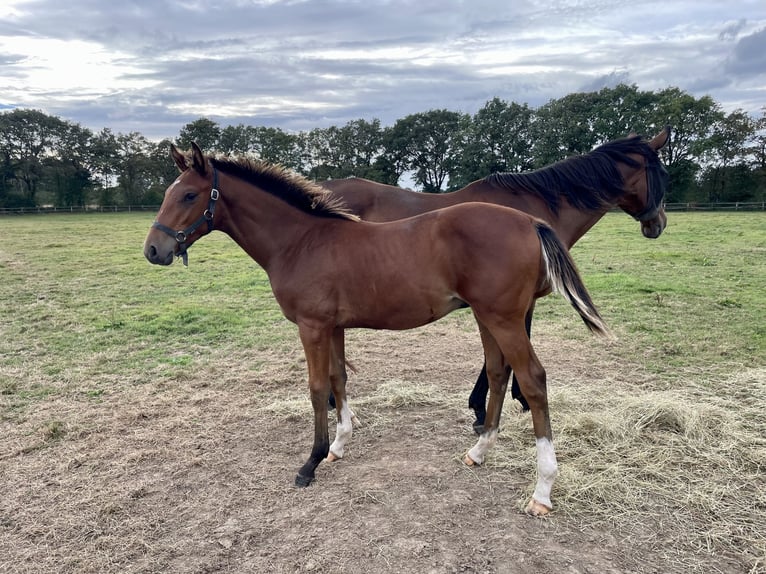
<point x="212" y="56"/>
<point x="749" y="56"/>
<point x="731" y="31"/>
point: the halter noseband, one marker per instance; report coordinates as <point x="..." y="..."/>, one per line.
<point x="207" y="216"/>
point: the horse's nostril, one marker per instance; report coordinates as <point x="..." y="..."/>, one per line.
<point x="152" y="251"/>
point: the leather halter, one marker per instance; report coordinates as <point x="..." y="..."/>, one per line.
<point x="181" y="236"/>
<point x="655" y="174"/>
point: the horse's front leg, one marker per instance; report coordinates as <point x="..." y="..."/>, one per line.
<point x="316" y="345"/>
<point x="338" y="377"/>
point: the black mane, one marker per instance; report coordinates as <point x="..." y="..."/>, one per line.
<point x="589" y="181"/>
<point x="290" y="187"/>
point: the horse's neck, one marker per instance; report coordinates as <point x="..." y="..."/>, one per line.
<point x="569" y="222"/>
<point x="264" y="226"/>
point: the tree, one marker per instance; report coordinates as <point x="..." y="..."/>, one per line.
<point x="496" y="139"/>
<point x="726" y="146"/>
<point x="136" y="174"/>
<point x="277" y="146"/>
<point x="692" y="122"/>
<point x="756" y="150"/>
<point x="623" y="110"/>
<point x="234" y="139"/>
<point x="104" y="166"/>
<point x="26" y="138"/>
<point x="342" y="152"/>
<point x="205" y="132"/>
<point x="430" y="142"/>
<point x="564" y="127"/>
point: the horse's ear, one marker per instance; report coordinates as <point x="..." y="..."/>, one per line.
<point x="658" y="141"/>
<point x="198" y="159"/>
<point x="178" y="158"/>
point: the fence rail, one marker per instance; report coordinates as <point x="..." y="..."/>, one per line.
<point x="77" y="209"/>
<point x="731" y="206"/>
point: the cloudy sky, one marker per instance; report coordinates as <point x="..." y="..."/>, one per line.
<point x="152" y="66"/>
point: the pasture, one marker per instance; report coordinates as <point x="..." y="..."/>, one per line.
<point x="152" y="419"/>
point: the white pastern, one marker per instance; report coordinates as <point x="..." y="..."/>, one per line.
<point x="344" y="430"/>
<point x="486" y="441"/>
<point x="547" y="468"/>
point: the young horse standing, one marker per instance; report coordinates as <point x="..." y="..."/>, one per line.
<point x="571" y="196"/>
<point x="329" y="272"/>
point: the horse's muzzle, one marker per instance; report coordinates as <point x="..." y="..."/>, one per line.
<point x="155" y="256"/>
<point x="653" y="229"/>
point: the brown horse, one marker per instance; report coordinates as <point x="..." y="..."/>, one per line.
<point x="571" y="196"/>
<point x="330" y="271"/>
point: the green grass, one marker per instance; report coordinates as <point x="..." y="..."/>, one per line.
<point x="81" y="304"/>
<point x="694" y="297"/>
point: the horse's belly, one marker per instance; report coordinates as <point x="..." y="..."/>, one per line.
<point x="404" y="314"/>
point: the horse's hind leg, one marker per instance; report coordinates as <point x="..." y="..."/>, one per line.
<point x="478" y="398"/>
<point x="519" y="353"/>
<point x="497" y="376"/>
<point x="338" y="377"/>
<point x="477" y="401"/>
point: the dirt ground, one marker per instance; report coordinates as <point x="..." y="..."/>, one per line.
<point x="197" y="476"/>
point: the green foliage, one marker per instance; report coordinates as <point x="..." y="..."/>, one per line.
<point x="430" y="144"/>
<point x="712" y="156"/>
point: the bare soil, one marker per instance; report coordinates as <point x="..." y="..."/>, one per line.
<point x="196" y="475"/>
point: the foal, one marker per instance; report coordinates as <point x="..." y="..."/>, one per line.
<point x="329" y="272"/>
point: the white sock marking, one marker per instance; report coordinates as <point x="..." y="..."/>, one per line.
<point x="486" y="441"/>
<point x="344" y="430"/>
<point x="547" y="468"/>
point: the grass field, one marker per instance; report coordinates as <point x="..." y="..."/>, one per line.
<point x="85" y="318"/>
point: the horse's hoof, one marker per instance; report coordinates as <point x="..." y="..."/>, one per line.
<point x="535" y="508"/>
<point x="303" y="481"/>
<point x="468" y="461"/>
<point x="478" y="428"/>
<point x="355" y="421"/>
<point x="331" y="457"/>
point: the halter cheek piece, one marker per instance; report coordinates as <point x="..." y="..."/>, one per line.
<point x="656" y="176"/>
<point x="207" y="216"/>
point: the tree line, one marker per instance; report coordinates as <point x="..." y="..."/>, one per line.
<point x="713" y="156"/>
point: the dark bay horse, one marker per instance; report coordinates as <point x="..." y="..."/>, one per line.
<point x="330" y="271"/>
<point x="571" y="196"/>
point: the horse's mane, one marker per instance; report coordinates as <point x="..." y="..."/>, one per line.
<point x="284" y="184"/>
<point x="589" y="181"/>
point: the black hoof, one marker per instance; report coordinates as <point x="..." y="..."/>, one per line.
<point x="478" y="428"/>
<point x="303" y="481"/>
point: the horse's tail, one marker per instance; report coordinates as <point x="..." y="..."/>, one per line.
<point x="564" y="278"/>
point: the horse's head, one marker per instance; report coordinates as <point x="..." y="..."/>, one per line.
<point x="645" y="188"/>
<point x="186" y="213"/>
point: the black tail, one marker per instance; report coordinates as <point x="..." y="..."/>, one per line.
<point x="564" y="278"/>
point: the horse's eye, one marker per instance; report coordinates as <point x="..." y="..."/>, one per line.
<point x="189" y="197"/>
